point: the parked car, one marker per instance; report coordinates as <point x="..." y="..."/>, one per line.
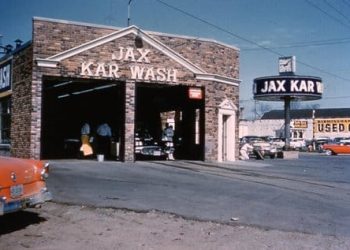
<point x="146" y="147"/>
<point x="319" y="142"/>
<point x="278" y="142"/>
<point x="334" y="149"/>
<point x="264" y="147"/>
<point x="22" y="184"/>
<point x="297" y="144"/>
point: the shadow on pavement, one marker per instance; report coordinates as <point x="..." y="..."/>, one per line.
<point x="18" y="220"/>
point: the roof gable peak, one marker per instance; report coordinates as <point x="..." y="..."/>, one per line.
<point x="52" y="61"/>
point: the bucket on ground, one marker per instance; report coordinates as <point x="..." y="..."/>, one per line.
<point x="100" y="158"/>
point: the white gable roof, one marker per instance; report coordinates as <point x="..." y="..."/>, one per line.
<point x="200" y="74"/>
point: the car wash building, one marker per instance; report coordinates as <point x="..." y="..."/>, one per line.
<point x="71" y="73"/>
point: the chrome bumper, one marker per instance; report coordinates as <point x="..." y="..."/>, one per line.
<point x="13" y="206"/>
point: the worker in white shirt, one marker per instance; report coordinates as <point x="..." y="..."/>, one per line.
<point x="244" y="151"/>
<point x="167" y="137"/>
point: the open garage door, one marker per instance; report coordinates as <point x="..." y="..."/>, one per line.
<point x="157" y="105"/>
<point x="68" y="104"/>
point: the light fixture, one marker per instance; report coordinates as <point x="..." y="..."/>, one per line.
<point x="61" y="84"/>
<point x="138" y="40"/>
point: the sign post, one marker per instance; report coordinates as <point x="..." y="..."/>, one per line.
<point x="287" y="87"/>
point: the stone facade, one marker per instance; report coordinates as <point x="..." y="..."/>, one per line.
<point x="53" y="38"/>
<point x="22" y="104"/>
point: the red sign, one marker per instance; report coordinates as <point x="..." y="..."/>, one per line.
<point x="195" y="93"/>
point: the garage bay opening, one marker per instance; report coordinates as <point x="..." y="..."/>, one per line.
<point x="161" y="106"/>
<point x="68" y="104"/>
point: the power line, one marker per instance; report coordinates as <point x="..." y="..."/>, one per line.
<point x="346" y="3"/>
<point x="248" y="40"/>
<point x="218" y="27"/>
<point x="327" y="14"/>
<point x="306" y="44"/>
<point x="336" y="10"/>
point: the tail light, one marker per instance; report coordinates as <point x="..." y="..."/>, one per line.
<point x="45" y="171"/>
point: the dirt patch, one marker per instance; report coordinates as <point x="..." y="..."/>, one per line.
<point x="57" y="226"/>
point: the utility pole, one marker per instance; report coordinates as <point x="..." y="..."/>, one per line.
<point x="129" y="12"/>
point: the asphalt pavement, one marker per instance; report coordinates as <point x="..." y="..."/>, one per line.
<point x="310" y="194"/>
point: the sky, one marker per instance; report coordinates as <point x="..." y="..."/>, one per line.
<point x="316" y="32"/>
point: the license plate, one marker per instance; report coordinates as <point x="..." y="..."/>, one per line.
<point x="16" y="191"/>
<point x="156" y="153"/>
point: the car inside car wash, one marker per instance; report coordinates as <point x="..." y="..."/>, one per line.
<point x="85" y="91"/>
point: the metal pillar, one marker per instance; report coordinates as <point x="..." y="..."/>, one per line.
<point x="287" y="122"/>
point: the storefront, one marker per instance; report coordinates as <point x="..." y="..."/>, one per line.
<point x="307" y="124"/>
<point x="71" y="73"/>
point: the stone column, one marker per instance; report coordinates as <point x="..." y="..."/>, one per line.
<point x="129" y="132"/>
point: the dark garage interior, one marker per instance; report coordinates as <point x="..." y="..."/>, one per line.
<point x="68" y="103"/>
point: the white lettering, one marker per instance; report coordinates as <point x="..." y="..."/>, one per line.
<point x="136" y="72"/>
<point x="150" y="74"/>
<point x="129" y="55"/>
<point x="113" y="70"/>
<point x="100" y="71"/>
<point x="144" y="53"/>
<point x="121" y="54"/>
<point x="319" y="87"/>
<point x="264" y="90"/>
<point x="310" y="86"/>
<point x="85" y="69"/>
<point x="303" y="86"/>
<point x="172" y="74"/>
<point x="280" y="84"/>
<point x="161" y="74"/>
<point x="272" y="87"/>
<point x="294" y="86"/>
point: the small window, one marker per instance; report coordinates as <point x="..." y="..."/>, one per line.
<point x="295" y="134"/>
<point x="5" y="120"/>
<point x="301" y="134"/>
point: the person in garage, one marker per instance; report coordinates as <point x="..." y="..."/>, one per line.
<point x="167" y="137"/>
<point x="85" y="148"/>
<point x="103" y="137"/>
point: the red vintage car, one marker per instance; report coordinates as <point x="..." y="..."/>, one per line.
<point x="334" y="149"/>
<point x="22" y="184"/>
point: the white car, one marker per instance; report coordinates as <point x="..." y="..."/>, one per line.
<point x="297" y="144"/>
<point x="264" y="147"/>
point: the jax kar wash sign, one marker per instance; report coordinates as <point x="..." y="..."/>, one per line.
<point x="137" y="72"/>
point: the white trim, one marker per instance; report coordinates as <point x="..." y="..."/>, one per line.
<point x="227" y="108"/>
<point x="47" y="63"/>
<point x="169" y="52"/>
<point x="228" y="105"/>
<point x="218" y="78"/>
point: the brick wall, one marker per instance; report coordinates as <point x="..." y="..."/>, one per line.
<point x="21" y="128"/>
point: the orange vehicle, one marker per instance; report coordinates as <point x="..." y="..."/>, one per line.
<point x="22" y="184"/>
<point x="334" y="149"/>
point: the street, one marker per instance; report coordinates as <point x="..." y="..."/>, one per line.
<point x="311" y="194"/>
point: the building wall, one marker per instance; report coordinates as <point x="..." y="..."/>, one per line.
<point x="22" y="106"/>
<point x="52" y="37"/>
<point x="215" y="95"/>
<point x="318" y="128"/>
<point x="261" y="128"/>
